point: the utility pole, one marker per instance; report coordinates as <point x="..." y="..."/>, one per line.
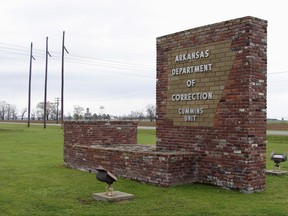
<point x="29" y="89"/>
<point x="45" y="88"/>
<point x="57" y="100"/>
<point x="62" y="80"/>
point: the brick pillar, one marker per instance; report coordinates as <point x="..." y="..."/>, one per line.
<point x="211" y="100"/>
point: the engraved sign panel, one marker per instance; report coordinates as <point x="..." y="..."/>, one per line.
<point x="196" y="81"/>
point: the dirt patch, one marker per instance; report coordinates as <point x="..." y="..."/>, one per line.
<point x="277" y="126"/>
<point x="270" y="126"/>
<point x="147" y="123"/>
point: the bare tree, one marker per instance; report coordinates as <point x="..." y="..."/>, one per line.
<point x="151" y="112"/>
<point x="23" y="113"/>
<point x="136" y="115"/>
<point x="7" y="111"/>
<point x="33" y="114"/>
<point x="78" y="112"/>
<point x="3" y="107"/>
<point x="68" y="116"/>
<point x="50" y="107"/>
<point x="12" y="112"/>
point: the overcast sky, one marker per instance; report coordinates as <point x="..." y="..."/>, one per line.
<point x="112" y="48"/>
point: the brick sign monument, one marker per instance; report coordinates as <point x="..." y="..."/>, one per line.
<point x="211" y="113"/>
<point x="211" y="100"/>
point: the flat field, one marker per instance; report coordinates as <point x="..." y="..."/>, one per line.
<point x="33" y="181"/>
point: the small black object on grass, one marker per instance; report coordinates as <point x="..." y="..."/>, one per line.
<point x="278" y="158"/>
<point x="104" y="175"/>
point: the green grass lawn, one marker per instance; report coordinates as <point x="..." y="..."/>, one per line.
<point x="33" y="181"/>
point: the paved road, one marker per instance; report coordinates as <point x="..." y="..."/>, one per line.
<point x="269" y="132"/>
<point x="146" y="127"/>
<point x="25" y="123"/>
<point x="272" y="132"/>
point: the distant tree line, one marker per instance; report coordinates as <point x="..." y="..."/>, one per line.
<point x="79" y="114"/>
<point x="138" y="115"/>
<point x="9" y="112"/>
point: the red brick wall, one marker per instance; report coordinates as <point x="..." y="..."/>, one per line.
<point x="223" y="145"/>
<point x="231" y="147"/>
<point x="137" y="162"/>
<point x="112" y="145"/>
<point x="100" y="132"/>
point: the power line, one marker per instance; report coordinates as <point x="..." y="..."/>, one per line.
<point x="111" y="61"/>
<point x="24" y="50"/>
<point x="96" y="63"/>
<point x="6" y="49"/>
<point x="127" y="96"/>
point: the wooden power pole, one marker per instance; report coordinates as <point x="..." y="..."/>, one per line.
<point x="45" y="88"/>
<point x="62" y="79"/>
<point x="29" y="89"/>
